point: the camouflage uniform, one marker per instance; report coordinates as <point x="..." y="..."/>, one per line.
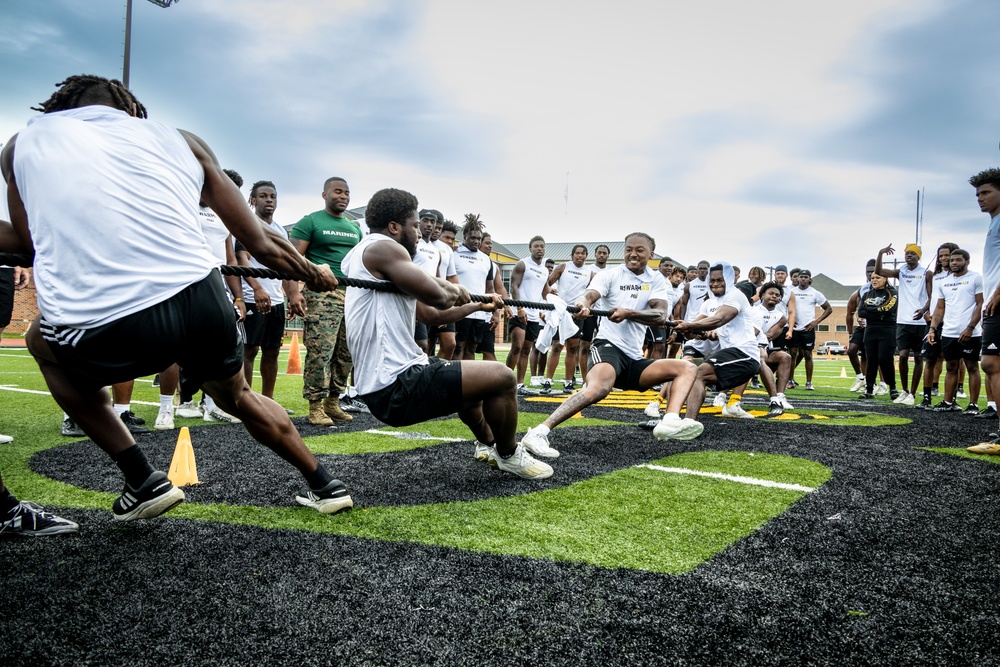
<point x="328" y="362"/>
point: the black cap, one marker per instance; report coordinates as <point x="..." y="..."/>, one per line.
<point x="431" y="213"/>
<point x="871" y="264"/>
<point x="805" y="272"/>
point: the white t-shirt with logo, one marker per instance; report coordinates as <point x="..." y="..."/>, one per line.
<point x="806" y="302"/>
<point x="533" y="282"/>
<point x="474" y="269"/>
<point x="738" y="332"/>
<point x="959" y="294"/>
<point x="428" y="257"/>
<point x="912" y="293"/>
<point x="620" y="288"/>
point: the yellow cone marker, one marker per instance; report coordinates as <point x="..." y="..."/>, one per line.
<point x="183" y="471"/>
<point x="843" y="372"/>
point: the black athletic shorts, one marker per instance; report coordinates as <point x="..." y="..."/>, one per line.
<point x="587" y="328"/>
<point x="6" y="296"/>
<point x="419" y="393"/>
<point x="991" y="335"/>
<point x="656" y="335"/>
<point x="469" y="329"/>
<point x="932" y="352"/>
<point x="953" y="349"/>
<point x="265" y="330"/>
<point x="420" y="331"/>
<point x="803" y="339"/>
<point x="779" y="342"/>
<point x="488" y="343"/>
<point x="857" y="337"/>
<point x="691" y="351"/>
<point x="627" y="370"/>
<point x="531" y="329"/>
<point x="910" y="336"/>
<point x="195" y="328"/>
<point x="732" y="367"/>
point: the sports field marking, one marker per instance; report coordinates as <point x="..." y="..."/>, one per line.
<point x="14" y="387"/>
<point x="731" y="478"/>
<point x="414" y="436"/>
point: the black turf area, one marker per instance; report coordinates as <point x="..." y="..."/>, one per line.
<point x="891" y="562"/>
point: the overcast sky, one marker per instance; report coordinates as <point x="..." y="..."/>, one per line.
<point x="756" y="132"/>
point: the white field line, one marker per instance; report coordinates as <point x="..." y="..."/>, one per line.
<point x="14" y="387"/>
<point x="732" y="478"/>
<point x="413" y="436"/>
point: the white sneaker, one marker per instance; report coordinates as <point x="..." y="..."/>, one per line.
<point x="785" y="404"/>
<point x="189" y="410"/>
<point x="4" y="439"/>
<point x="521" y="463"/>
<point x="164" y="420"/>
<point x="482" y="452"/>
<point x="720" y="400"/>
<point x="218" y="415"/>
<point x="672" y="427"/>
<point x="882" y="389"/>
<point x="902" y="397"/>
<point x="538" y="444"/>
<point x="961" y="392"/>
<point x="653" y="409"/>
<point x="736" y="410"/>
<point x="859" y="385"/>
<point x="908" y="400"/>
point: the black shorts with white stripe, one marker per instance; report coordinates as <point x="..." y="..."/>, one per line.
<point x="732" y="367"/>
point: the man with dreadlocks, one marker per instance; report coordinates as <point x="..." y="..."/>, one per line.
<point x="475" y="273"/>
<point x="138" y="288"/>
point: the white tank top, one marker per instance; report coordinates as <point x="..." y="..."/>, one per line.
<point x="573" y="282"/>
<point x="379" y="325"/>
<point x="112" y="204"/>
<point x="534" y="280"/>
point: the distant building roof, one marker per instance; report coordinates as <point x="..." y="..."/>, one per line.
<point x="831" y="289"/>
<point x="562" y="252"/>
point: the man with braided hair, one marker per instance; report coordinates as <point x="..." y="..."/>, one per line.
<point x="475" y="272"/>
<point x="139" y="290"/>
<point x="324" y="237"/>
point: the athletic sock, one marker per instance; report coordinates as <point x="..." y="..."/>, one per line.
<point x="318" y="478"/>
<point x="133" y="464"/>
<point x="927" y="394"/>
<point x="166" y="403"/>
<point x="861" y="376"/>
<point x="542" y="429"/>
<point x="121" y="409"/>
<point x="7" y="502"/>
<point x="734" y="399"/>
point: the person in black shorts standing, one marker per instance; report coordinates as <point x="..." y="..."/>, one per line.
<point x="164" y="301"/>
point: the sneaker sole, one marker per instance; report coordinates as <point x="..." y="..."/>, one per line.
<point x="154" y="507"/>
<point x="687" y="432"/>
<point x="549" y="453"/>
<point x="190" y="414"/>
<point x="327" y="506"/>
<point x="544" y="474"/>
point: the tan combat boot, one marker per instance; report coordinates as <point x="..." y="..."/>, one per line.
<point x="332" y="408"/>
<point x="317" y="415"/>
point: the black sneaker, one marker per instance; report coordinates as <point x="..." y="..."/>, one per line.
<point x="29" y="520"/>
<point x="156" y="496"/>
<point x="569" y="386"/>
<point x="331" y="499"/>
<point x="972" y="410"/>
<point x="776" y="410"/>
<point x="359" y="405"/>
<point x="156" y="380"/>
<point x="989" y="413"/>
<point x="649" y="425"/>
<point x="134" y="424"/>
<point x="70" y="429"/>
<point x="893" y="394"/>
<point x="866" y="397"/>
<point x="945" y="406"/>
<point x="924" y="404"/>
<point x="546" y="386"/>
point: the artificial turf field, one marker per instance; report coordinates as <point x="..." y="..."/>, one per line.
<point x="842" y="534"/>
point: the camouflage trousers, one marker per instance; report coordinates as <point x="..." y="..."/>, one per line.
<point x="328" y="363"/>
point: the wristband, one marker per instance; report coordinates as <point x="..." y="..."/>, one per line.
<point x="239" y="298"/>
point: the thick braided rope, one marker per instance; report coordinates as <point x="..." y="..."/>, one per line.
<point x="379" y="286"/>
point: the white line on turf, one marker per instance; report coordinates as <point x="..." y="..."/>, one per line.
<point x="731" y="478"/>
<point x="14" y="387"/>
<point x="413" y="436"/>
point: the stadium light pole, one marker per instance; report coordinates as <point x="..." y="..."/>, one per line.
<point x="128" y="34"/>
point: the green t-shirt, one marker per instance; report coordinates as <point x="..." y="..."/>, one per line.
<point x="329" y="238"/>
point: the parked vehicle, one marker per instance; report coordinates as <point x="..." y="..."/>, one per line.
<point x="831" y="347"/>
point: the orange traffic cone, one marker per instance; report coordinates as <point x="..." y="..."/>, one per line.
<point x="183" y="471"/>
<point x="294" y="358"/>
